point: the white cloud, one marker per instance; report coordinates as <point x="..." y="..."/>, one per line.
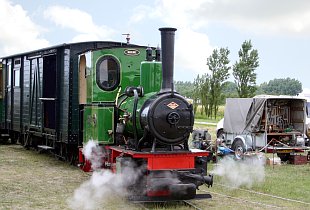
<point x="260" y="16"/>
<point x="173" y="12"/>
<point x="192" y="18"/>
<point x="79" y="21"/>
<point x="192" y="47"/>
<point x="140" y="13"/>
<point x="179" y="13"/>
<point x="19" y="33"/>
<point x="191" y="51"/>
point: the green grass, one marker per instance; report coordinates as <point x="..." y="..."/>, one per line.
<point x="211" y="129"/>
<point x="29" y="180"/>
<point x="287" y="181"/>
<point x="220" y="115"/>
<point x="291" y="181"/>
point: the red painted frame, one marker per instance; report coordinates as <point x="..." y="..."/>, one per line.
<point x="184" y="160"/>
<point x="159" y="160"/>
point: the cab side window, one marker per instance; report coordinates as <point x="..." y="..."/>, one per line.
<point x="107" y="73"/>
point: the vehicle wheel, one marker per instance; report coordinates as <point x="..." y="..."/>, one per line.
<point x="220" y="134"/>
<point x="239" y="149"/>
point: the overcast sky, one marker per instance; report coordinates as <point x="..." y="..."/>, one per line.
<point x="278" y="29"/>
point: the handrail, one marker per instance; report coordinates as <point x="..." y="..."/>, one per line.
<point x="48" y="99"/>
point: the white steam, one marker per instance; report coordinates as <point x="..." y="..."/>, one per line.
<point x="104" y="189"/>
<point x="94" y="153"/>
<point x="100" y="190"/>
<point x="241" y="173"/>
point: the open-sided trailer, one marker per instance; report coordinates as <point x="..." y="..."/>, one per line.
<point x="265" y="123"/>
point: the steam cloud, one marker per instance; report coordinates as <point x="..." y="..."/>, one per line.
<point x="94" y="153"/>
<point x="104" y="188"/>
<point x="241" y="173"/>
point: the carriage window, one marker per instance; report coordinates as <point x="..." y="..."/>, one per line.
<point x="16" y="77"/>
<point x="8" y="69"/>
<point x="16" y="72"/>
<point x="107" y="73"/>
<point x="1" y="81"/>
<point x="308" y="109"/>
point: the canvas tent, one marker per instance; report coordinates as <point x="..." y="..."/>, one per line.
<point x="246" y="115"/>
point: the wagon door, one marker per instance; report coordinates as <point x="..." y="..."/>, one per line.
<point x="8" y="93"/>
<point x="49" y="91"/>
<point x="12" y="94"/>
<point x="16" y="96"/>
<point x="35" y="93"/>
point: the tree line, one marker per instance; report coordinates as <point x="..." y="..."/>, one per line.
<point x="210" y="90"/>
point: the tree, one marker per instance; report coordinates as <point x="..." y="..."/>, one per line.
<point x="184" y="88"/>
<point x="201" y="93"/>
<point x="286" y="86"/>
<point x="244" y="70"/>
<point x="229" y="90"/>
<point x="205" y="94"/>
<point x="218" y="65"/>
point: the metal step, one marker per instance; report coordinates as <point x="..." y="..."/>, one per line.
<point x="45" y="147"/>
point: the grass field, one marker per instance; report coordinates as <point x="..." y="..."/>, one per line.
<point x="286" y="181"/>
<point x="211" y="128"/>
<point x="29" y="180"/>
<point x="201" y="115"/>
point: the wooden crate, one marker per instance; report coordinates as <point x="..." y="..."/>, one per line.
<point x="273" y="161"/>
<point x="298" y="159"/>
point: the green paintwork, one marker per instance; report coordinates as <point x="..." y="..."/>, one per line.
<point x="151" y="76"/>
<point x="134" y="71"/>
<point x="130" y="73"/>
<point x="98" y="124"/>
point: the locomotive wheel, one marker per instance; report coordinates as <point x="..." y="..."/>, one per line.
<point x="239" y="149"/>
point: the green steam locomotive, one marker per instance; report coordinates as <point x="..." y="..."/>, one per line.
<point x="120" y="96"/>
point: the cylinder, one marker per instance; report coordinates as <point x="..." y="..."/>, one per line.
<point x="167" y="50"/>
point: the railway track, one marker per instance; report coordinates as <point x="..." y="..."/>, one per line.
<point x="188" y="203"/>
<point x="257" y="193"/>
<point x="245" y="200"/>
<point x="264" y="194"/>
<point x="150" y="205"/>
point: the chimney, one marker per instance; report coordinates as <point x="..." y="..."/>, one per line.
<point x="167" y="50"/>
